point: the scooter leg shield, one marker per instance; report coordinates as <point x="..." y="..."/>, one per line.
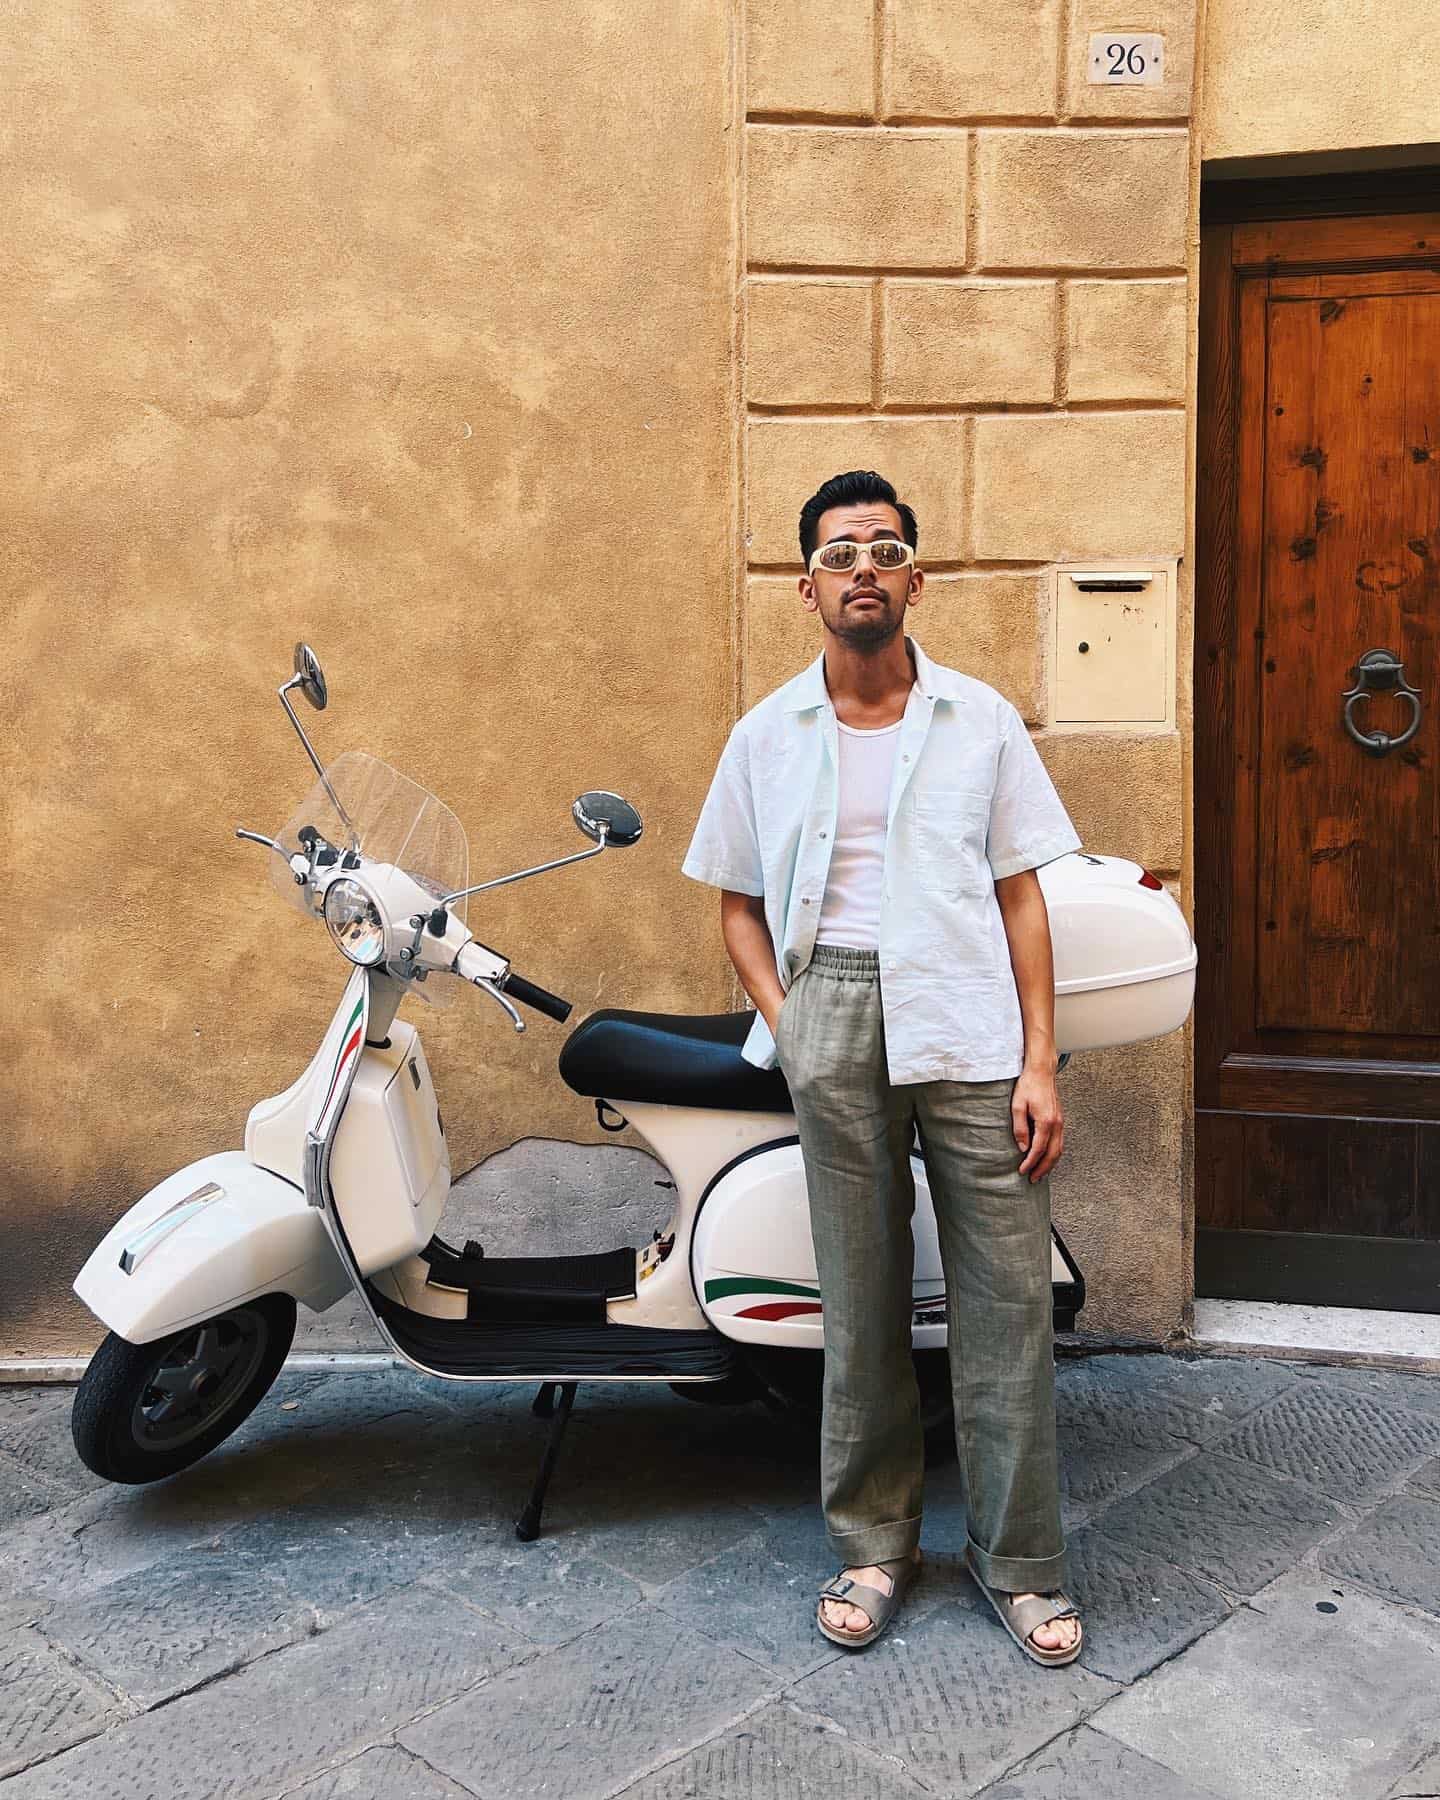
<point x="207" y="1237"/>
<point x="754" y="1261"/>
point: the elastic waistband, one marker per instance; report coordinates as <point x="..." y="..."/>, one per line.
<point x="842" y="964"/>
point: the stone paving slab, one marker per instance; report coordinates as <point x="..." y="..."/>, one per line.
<point x="1229" y="1521"/>
<point x="1137" y="1608"/>
<point x="35" y="1432"/>
<point x="1422" y="1782"/>
<point x="1114" y="1391"/>
<point x="385" y="1774"/>
<point x="45" y="1704"/>
<point x="1349" y="1445"/>
<point x="756" y="1603"/>
<point x="353" y="1551"/>
<point x="276" y="1721"/>
<point x="545" y="1589"/>
<point x="169" y="1629"/>
<point x="778" y="1754"/>
<point x="604" y="1709"/>
<point x="950" y="1698"/>
<point x="1243" y="1713"/>
<point x="1112" y="1439"/>
<point x="1390" y="1387"/>
<point x="1426" y="1479"/>
<point x="25" y="1493"/>
<point x="1088" y="1764"/>
<point x="1219" y="1388"/>
<point x="651" y="1532"/>
<point x="1396" y="1551"/>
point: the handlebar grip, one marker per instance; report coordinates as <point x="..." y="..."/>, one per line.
<point x="526" y="992"/>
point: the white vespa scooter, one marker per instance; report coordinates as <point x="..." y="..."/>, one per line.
<point x="344" y="1175"/>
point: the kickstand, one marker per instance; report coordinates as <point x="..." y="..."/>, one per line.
<point x="527" y="1526"/>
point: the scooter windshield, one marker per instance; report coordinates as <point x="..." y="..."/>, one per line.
<point x="365" y="803"/>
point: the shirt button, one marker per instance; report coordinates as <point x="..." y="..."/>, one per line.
<point x="805" y="901"/>
<point x="905" y="759"/>
<point x="823" y="836"/>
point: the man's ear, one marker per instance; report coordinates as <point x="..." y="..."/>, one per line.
<point x="807" y="594"/>
<point x="916" y="588"/>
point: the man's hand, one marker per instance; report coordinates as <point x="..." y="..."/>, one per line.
<point x="1037" y="1121"/>
<point x="751" y="950"/>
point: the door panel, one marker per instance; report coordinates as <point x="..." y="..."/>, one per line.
<point x="1318" y="878"/>
<point x="1349" y="918"/>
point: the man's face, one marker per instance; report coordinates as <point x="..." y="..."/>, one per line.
<point x="863" y="606"/>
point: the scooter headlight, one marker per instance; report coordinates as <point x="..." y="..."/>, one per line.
<point x="355" y="922"/>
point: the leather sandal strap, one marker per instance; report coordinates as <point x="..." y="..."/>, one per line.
<point x="870" y="1600"/>
<point x="1027" y="1616"/>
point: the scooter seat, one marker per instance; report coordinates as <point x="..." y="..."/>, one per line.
<point x="671" y="1060"/>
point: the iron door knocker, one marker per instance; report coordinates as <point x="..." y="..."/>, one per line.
<point x="1379" y="672"/>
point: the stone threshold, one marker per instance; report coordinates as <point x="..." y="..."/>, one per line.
<point x="1321" y="1334"/>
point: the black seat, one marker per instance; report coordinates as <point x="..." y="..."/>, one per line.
<point x="670" y="1060"/>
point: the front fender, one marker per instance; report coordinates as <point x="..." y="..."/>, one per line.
<point x="207" y="1237"/>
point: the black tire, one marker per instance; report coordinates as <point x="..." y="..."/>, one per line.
<point x="794" y="1380"/>
<point x="145" y="1411"/>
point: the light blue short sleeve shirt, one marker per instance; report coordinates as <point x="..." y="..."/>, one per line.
<point x="970" y="803"/>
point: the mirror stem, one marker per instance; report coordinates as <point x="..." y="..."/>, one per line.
<point x="523" y="874"/>
<point x="284" y="692"/>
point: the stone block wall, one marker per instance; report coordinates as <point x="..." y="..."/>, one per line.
<point x="966" y="266"/>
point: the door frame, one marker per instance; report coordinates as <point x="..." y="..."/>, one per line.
<point x="1278" y="226"/>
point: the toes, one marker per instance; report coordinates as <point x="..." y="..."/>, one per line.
<point x="845" y="1618"/>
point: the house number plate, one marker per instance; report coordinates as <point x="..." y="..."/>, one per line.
<point x="1126" y="59"/>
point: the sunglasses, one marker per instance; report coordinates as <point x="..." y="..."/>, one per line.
<point x="844" y="553"/>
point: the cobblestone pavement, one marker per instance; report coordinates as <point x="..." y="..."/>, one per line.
<point x="335" y="1606"/>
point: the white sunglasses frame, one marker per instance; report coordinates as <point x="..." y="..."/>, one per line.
<point x="819" y="551"/>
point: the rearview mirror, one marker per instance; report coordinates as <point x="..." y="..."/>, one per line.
<point x="311" y="677"/>
<point x="608" y="818"/>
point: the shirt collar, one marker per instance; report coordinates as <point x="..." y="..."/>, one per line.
<point x="935" y="682"/>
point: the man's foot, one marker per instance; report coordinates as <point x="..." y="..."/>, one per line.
<point x="841" y="1615"/>
<point x="1056" y="1634"/>
<point x="1046" y="1626"/>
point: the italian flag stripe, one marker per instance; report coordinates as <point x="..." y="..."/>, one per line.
<point x="749" y="1284"/>
<point x="349" y="1040"/>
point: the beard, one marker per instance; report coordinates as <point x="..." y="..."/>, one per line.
<point x="869" y="631"/>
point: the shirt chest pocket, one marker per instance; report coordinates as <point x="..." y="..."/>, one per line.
<point x="950" y="831"/>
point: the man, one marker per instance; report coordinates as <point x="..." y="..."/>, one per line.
<point x="875" y="826"/>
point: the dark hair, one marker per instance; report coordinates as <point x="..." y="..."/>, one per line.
<point x="856" y="488"/>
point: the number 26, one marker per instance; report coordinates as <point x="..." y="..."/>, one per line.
<point x="1129" y="61"/>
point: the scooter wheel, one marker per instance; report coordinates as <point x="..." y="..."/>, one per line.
<point x="144" y="1411"/>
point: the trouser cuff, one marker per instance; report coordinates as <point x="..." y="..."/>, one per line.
<point x="1018" y="1574"/>
<point x="876" y="1543"/>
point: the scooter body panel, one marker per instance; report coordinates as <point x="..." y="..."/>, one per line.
<point x="389" y="1165"/>
<point x="754" y="1259"/>
<point x="694" y="1143"/>
<point x="214" y="1233"/>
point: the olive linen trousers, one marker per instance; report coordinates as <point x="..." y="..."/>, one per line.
<point x="856" y="1132"/>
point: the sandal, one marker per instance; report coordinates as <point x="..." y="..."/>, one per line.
<point x="880" y="1606"/>
<point x="1022" y="1618"/>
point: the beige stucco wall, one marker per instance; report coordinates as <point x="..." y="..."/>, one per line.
<point x="314" y="305"/>
<point x="308" y="312"/>
<point x="1288" y="76"/>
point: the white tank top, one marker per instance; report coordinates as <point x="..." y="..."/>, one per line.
<point x="850" y="912"/>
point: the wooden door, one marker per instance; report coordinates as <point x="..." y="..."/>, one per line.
<point x="1318" y="879"/>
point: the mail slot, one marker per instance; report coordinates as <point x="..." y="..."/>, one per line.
<point x="1114" y="643"/>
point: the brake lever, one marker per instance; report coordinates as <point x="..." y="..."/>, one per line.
<point x="489" y="987"/>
